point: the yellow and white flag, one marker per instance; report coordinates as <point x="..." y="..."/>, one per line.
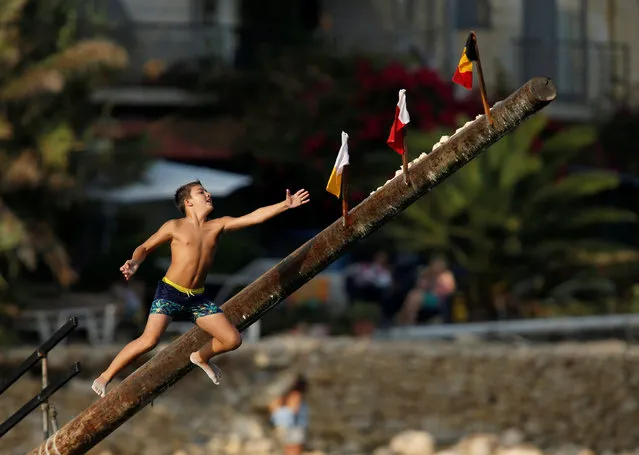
<point x="334" y="185"/>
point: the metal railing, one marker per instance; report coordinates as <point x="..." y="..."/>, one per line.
<point x="522" y="329"/>
<point x="584" y="71"/>
<point x="165" y="46"/>
<point x="193" y="47"/>
<point x="49" y="413"/>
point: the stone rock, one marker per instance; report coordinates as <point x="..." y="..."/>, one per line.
<point x="412" y="443"/>
<point x="216" y="445"/>
<point x="511" y="437"/>
<point x="194" y="449"/>
<point x="568" y="449"/>
<point x="351" y="447"/>
<point x="383" y="450"/>
<point x="233" y="445"/>
<point x="246" y="427"/>
<point x="478" y="444"/>
<point x="260" y="446"/>
<point x="521" y="449"/>
<point x="449" y="451"/>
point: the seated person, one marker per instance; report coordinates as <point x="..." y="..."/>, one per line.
<point x="370" y="281"/>
<point x="431" y="295"/>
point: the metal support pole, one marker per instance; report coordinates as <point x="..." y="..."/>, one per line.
<point x="54" y="417"/>
<point x="45" y="403"/>
<point x="37" y="400"/>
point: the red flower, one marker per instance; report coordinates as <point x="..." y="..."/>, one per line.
<point x="537" y="145"/>
<point x="365" y="75"/>
<point x="427" y="122"/>
<point x="395" y="75"/>
<point x="448" y="116"/>
<point x="373" y="126"/>
<point x="421" y="107"/>
<point x="426" y="77"/>
<point x="313" y="143"/>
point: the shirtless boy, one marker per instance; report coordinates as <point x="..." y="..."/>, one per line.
<point x="180" y="294"/>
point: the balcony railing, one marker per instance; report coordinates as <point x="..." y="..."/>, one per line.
<point x="584" y="71"/>
<point x="184" y="47"/>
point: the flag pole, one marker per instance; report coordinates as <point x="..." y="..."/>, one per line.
<point x="482" y="85"/>
<point x="346" y="220"/>
<point x="405" y="159"/>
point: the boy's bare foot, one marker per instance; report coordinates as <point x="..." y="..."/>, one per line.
<point x="99" y="386"/>
<point x="210" y="369"/>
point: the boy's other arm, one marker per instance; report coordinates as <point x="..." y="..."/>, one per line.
<point x="264" y="213"/>
<point x="163" y="235"/>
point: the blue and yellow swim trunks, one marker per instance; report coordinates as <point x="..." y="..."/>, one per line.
<point x="180" y="303"/>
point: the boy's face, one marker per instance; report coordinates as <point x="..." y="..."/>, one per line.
<point x="200" y="199"/>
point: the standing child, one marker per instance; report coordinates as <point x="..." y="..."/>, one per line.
<point x="180" y="294"/>
<point x="289" y="415"/>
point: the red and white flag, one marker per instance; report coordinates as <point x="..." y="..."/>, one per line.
<point x="396" y="136"/>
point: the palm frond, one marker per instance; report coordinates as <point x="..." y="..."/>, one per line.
<point x="9" y="51"/>
<point x="87" y="55"/>
<point x="6" y="129"/>
<point x="10" y="11"/>
<point x="575" y="248"/>
<point x="13" y="232"/>
<point x="570" y="140"/>
<point x="33" y="82"/>
<point x="562" y="147"/>
<point x="524" y="136"/>
<point x="450" y="201"/>
<point x="517" y="167"/>
<point x="599" y="215"/>
<point x="50" y="75"/>
<point x="495" y="155"/>
<point x="422" y="142"/>
<point x="45" y="242"/>
<point x="606" y="259"/>
<point x="23" y="171"/>
<point x="55" y="145"/>
<point x="419" y="216"/>
<point x="576" y="186"/>
<point x="468" y="179"/>
<point x="475" y="236"/>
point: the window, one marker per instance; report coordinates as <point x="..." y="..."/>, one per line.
<point x="209" y="10"/>
<point x="473" y="14"/>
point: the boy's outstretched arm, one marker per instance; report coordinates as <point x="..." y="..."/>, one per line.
<point x="163" y="235"/>
<point x="262" y="214"/>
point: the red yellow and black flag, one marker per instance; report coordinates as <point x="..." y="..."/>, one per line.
<point x="464" y="71"/>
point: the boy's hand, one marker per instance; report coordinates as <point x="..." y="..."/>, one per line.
<point x="129" y="268"/>
<point x="299" y="198"/>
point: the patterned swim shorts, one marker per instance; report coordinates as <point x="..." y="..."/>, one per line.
<point x="182" y="304"/>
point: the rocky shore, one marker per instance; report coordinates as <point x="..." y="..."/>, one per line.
<point x="369" y="397"/>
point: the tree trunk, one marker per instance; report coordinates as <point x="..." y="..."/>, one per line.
<point x="171" y="364"/>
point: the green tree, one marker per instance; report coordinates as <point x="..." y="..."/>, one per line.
<point x="510" y="215"/>
<point x="49" y="142"/>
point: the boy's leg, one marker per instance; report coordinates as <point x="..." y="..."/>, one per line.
<point x="225" y="338"/>
<point x="155" y="327"/>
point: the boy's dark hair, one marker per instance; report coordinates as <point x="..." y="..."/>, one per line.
<point x="183" y="193"/>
